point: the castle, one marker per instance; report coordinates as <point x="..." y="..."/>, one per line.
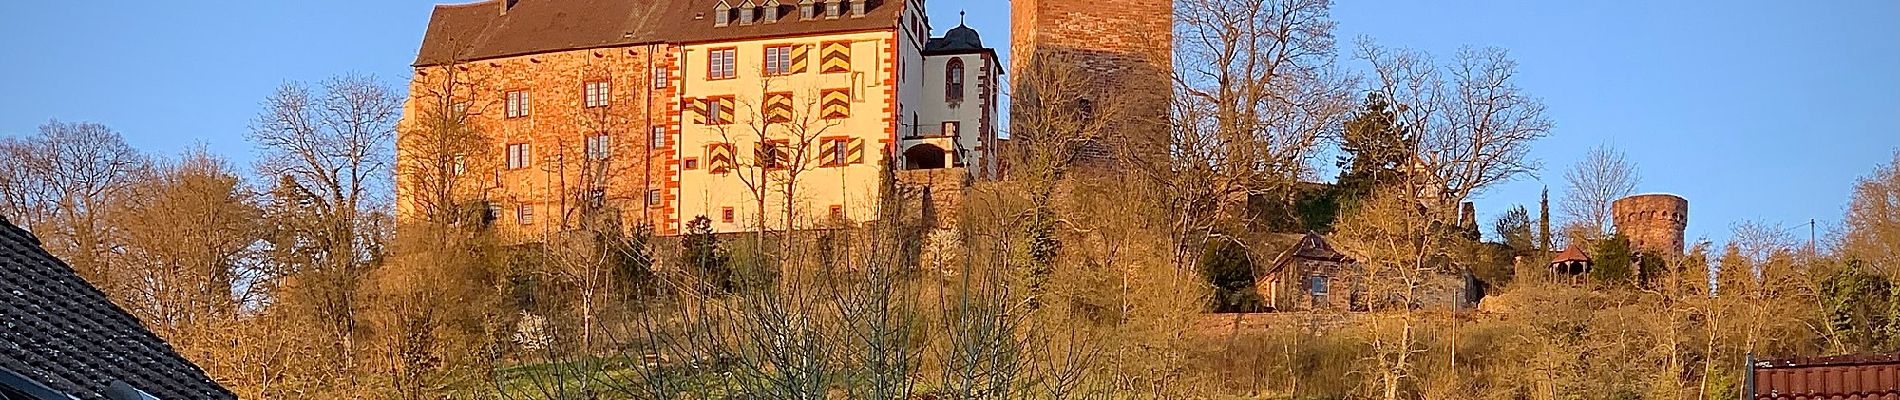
<point x="660" y="112"/>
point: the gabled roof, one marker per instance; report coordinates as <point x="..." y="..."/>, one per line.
<point x="60" y="332"/>
<point x="1310" y="247"/>
<point x="479" y="31"/>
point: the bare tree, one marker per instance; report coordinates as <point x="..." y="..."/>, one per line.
<point x="595" y="246"/>
<point x="189" y="252"/>
<point x="1052" y="135"/>
<point x="61" y="184"/>
<point x="786" y="130"/>
<point x="328" y="152"/>
<point x="1399" y="253"/>
<point x="1603" y="176"/>
<point x="1873" y="219"/>
<point x="190" y="240"/>
<point x="1473" y="125"/>
<point x="1473" y="128"/>
<point x="441" y="168"/>
<point x="436" y="303"/>
<point x="1258" y="91"/>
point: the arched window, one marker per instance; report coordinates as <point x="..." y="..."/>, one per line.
<point x="953" y="81"/>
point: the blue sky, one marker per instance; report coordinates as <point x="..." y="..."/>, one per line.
<point x="1764" y="110"/>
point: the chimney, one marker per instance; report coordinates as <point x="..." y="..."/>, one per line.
<point x="507" y="5"/>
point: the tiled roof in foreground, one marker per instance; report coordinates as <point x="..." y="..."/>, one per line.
<point x="61" y="332"/>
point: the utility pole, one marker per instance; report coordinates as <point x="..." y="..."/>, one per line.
<point x="1810" y="237"/>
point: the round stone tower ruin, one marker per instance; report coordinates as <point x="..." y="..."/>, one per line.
<point x="1653" y="222"/>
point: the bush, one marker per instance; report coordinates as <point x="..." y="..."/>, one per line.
<point x="1227" y="266"/>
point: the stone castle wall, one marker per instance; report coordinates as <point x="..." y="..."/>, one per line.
<point x="1653" y="222"/>
<point x="1114" y="58"/>
<point x="934" y="194"/>
<point x="557" y="129"/>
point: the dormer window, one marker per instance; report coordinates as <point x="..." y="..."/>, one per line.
<point x="807" y="9"/>
<point x="722" y="14"/>
<point x="857" y="7"/>
<point x="771" y="11"/>
<point x="832" y="9"/>
<point x="746" y="14"/>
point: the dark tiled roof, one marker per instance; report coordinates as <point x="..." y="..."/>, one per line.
<point x="1314" y="247"/>
<point x="59" y="331"/>
<point x="477" y="31"/>
<point x="1310" y="247"/>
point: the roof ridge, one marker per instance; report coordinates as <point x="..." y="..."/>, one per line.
<point x="7" y="227"/>
<point x="464" y="33"/>
<point x="466" y="5"/>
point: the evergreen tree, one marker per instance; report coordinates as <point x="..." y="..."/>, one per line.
<point x="1226" y="266"/>
<point x="1375" y="150"/>
<point x="1612" y="260"/>
<point x="704" y="252"/>
<point x="1543" y="221"/>
<point x="1514" y="230"/>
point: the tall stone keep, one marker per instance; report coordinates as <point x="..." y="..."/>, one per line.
<point x="1114" y="60"/>
<point x="1653" y="222"/>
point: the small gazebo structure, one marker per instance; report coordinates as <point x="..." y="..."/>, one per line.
<point x="1572" y="262"/>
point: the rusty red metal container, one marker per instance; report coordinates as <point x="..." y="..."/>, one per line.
<point x="1850" y="377"/>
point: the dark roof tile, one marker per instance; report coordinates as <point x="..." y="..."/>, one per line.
<point x="65" y="334"/>
<point x="960" y="38"/>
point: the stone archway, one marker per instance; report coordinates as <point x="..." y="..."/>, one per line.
<point x="924" y="156"/>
